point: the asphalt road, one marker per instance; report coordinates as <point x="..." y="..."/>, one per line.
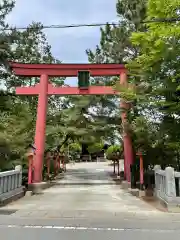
<point x="83" y="206"/>
<point x="80" y="233"/>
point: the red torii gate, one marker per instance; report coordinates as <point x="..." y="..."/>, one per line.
<point x="45" y="88"/>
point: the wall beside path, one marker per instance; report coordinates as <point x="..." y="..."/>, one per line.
<point x="11" y="185"/>
<point x="167" y="187"/>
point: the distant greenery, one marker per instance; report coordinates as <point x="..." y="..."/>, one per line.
<point x="96" y="148"/>
<point x="114" y="152"/>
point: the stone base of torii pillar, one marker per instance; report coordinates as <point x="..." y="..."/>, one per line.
<point x="37" y="188"/>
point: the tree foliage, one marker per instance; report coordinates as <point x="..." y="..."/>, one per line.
<point x="116" y="47"/>
<point x="71" y="121"/>
<point x="18" y="114"/>
<point x="157" y="66"/>
<point x="96" y="147"/>
<point x="114" y="152"/>
<point x="151" y="54"/>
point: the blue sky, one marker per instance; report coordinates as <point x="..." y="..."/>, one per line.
<point x="68" y="45"/>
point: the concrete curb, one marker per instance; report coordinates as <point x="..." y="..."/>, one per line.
<point x="13" y="198"/>
<point x="37" y="188"/>
<point x="125" y="185"/>
<point x="171" y="208"/>
<point x="134" y="192"/>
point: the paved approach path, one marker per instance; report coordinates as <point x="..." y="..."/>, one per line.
<point x="86" y="191"/>
<point x="86" y="204"/>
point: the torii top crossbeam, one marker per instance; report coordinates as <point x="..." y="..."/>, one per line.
<point x="66" y="70"/>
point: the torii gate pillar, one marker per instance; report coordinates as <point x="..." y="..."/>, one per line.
<point x="40" y="134"/>
<point x="128" y="151"/>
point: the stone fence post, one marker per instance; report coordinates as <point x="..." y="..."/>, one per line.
<point x="165" y="183"/>
<point x="19" y="168"/>
<point x="170" y="184"/>
<point x="157" y="180"/>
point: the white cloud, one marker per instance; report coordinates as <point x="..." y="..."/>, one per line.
<point x="68" y="45"/>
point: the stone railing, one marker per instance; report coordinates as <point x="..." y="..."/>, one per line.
<point x="167" y="187"/>
<point x="11" y="184"/>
